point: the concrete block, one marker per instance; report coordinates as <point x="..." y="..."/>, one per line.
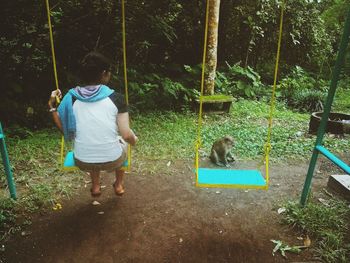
<point x="340" y="183"/>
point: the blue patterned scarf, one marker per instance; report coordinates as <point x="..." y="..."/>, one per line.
<point x="85" y="94"/>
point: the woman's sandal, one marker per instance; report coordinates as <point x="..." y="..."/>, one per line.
<point x="95" y="194"/>
<point x="118" y="193"/>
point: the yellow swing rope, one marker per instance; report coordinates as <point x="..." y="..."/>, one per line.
<point x="199" y="127"/>
<point x="125" y="76"/>
<point x="52" y="43"/>
<point x="267" y="146"/>
<point x="54" y="67"/>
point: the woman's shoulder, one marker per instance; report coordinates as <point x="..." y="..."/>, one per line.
<point x="119" y="101"/>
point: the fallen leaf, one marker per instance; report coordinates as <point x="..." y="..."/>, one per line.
<point x="283" y="248"/>
<point x="25" y="233"/>
<point x="57" y="206"/>
<point x="323" y="201"/>
<point x="307" y="241"/>
<point x="281" y="210"/>
<point x="328" y="193"/>
<point x="299" y="133"/>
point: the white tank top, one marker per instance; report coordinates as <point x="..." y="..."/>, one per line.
<point x="96" y="139"/>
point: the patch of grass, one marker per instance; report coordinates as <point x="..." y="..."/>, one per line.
<point x="342" y="101"/>
<point x="327" y="225"/>
<point x="165" y="135"/>
<point x="171" y="135"/>
<point x="39" y="181"/>
<point x="39" y="195"/>
<point x="7" y="215"/>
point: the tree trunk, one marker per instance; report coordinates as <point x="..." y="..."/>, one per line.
<point x="211" y="59"/>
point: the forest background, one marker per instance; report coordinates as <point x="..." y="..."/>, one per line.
<point x="164" y="49"/>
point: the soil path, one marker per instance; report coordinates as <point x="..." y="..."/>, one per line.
<point x="163" y="217"/>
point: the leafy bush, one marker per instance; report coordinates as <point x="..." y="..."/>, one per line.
<point x="240" y="82"/>
<point x="301" y="91"/>
<point x="150" y="90"/>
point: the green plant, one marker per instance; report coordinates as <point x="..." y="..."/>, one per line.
<point x="247" y="123"/>
<point x="7" y="213"/>
<point x="299" y="90"/>
<point x="148" y="90"/>
<point x="240" y="82"/>
<point x="39" y="196"/>
<point x="342" y="100"/>
<point x="326" y="224"/>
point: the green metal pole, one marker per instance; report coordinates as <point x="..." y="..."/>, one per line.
<point x="333" y="87"/>
<point x="6" y="162"/>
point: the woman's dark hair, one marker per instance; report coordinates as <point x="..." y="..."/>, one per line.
<point x="92" y="66"/>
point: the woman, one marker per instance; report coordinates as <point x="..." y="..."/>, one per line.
<point x="93" y="115"/>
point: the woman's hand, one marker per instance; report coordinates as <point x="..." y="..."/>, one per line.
<point x="55" y="97"/>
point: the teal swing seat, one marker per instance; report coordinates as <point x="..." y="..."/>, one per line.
<point x="69" y="163"/>
<point x="69" y="160"/>
<point x="230" y="178"/>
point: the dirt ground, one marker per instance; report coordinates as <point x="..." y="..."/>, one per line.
<point x="163" y="217"/>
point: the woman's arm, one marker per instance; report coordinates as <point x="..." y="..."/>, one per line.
<point x="124" y="129"/>
<point x="53" y="110"/>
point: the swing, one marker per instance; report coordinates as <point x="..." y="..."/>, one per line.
<point x="229" y="178"/>
<point x="67" y="162"/>
<point x="318" y="148"/>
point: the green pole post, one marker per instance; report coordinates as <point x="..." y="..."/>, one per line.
<point x="322" y="128"/>
<point x="6" y="162"/>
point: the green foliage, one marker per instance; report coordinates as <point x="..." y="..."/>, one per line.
<point x="342" y="101"/>
<point x="7" y="214"/>
<point x="240" y="82"/>
<point x="247" y="123"/>
<point x="34" y="160"/>
<point x="39" y="195"/>
<point x="327" y="224"/>
<point x="169" y="135"/>
<point x="150" y="90"/>
<point x="173" y="36"/>
<point x="308" y="43"/>
<point x="333" y="15"/>
<point x="301" y="91"/>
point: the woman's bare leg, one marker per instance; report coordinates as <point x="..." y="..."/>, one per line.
<point x="118" y="185"/>
<point x="95" y="181"/>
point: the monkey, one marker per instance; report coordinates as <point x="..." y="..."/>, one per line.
<point x="220" y="151"/>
